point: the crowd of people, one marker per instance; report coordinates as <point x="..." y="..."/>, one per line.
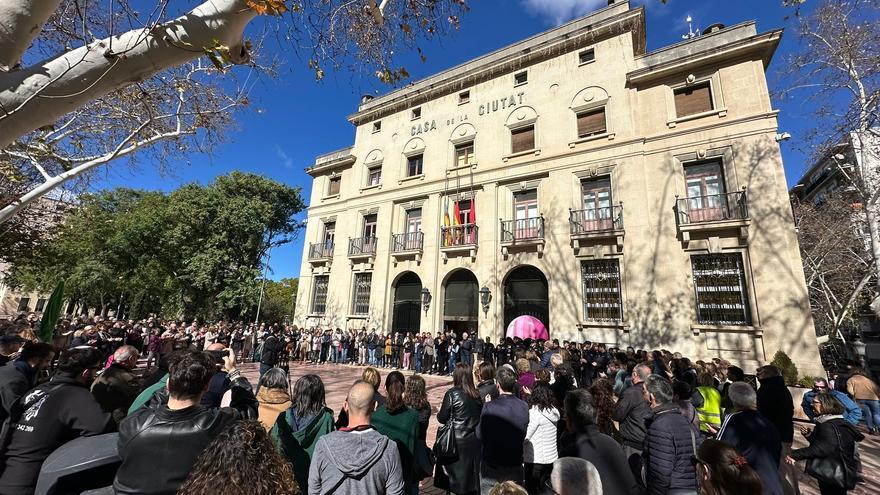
<point x="520" y="417"/>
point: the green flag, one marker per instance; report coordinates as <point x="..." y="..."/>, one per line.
<point x="51" y="313"/>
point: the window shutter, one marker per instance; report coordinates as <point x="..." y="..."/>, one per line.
<point x="590" y="123"/>
<point x="693" y="100"/>
<point x="334" y="186"/>
<point x="523" y="139"/>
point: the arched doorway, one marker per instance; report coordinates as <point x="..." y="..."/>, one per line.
<point x="461" y="293"/>
<point x="525" y="293"/>
<point x="406" y="315"/>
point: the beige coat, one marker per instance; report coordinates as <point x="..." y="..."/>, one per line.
<point x="273" y="401"/>
<point x="862" y="388"/>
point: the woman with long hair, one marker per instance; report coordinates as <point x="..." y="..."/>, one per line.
<point x="721" y="470"/>
<point x="461" y="406"/>
<point x="539" y="448"/>
<point x="603" y="395"/>
<point x="486" y="374"/>
<point x="273" y="396"/>
<point x="416" y="398"/>
<point x="240" y="460"/>
<point x="297" y="430"/>
<point x="401" y="424"/>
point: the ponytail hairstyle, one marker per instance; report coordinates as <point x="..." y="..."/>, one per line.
<point x="722" y="470"/>
<point x="394" y="387"/>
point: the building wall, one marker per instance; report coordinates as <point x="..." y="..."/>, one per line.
<point x="643" y="152"/>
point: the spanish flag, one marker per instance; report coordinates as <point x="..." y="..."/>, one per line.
<point x="456" y="217"/>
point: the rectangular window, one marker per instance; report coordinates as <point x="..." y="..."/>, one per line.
<point x="586" y="56"/>
<point x="522" y="139"/>
<point x="520" y="78"/>
<point x="319" y="294"/>
<point x="374" y="175"/>
<point x="464" y="97"/>
<point x="706" y="194"/>
<point x="525" y="205"/>
<point x="692" y="100"/>
<point x="333" y="187"/>
<point x="329" y="234"/>
<point x="464" y="154"/>
<point x="601" y="284"/>
<point x="361" y="294"/>
<point x="416" y="113"/>
<point x="597" y="213"/>
<point x="591" y="123"/>
<point x="369" y="225"/>
<point x="413" y="220"/>
<point x="464" y="212"/>
<point x="414" y="165"/>
<point x="23" y="304"/>
<point x="720" y="289"/>
<point x="41" y="303"/>
<point x="377" y="126"/>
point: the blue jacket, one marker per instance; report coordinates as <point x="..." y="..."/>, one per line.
<point x="853" y="412"/>
<point x="670" y="444"/>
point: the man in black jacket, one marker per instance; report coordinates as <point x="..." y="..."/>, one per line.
<point x="670" y="442"/>
<point x="51" y="415"/>
<point x="632" y="413"/>
<point x="776" y="404"/>
<point x="587" y="442"/>
<point x="179" y="430"/>
<point x="19" y="376"/>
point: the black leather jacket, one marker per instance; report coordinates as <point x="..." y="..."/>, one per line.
<point x="159" y="446"/>
<point x="462" y="410"/>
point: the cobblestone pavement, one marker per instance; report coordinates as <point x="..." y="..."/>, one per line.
<point x="337" y="380"/>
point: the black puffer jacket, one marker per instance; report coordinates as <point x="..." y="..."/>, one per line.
<point x="669" y="448"/>
<point x="463" y="475"/>
<point x="632" y="412"/>
<point x="159" y="447"/>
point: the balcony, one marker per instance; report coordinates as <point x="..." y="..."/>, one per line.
<point x="459" y="239"/>
<point x="362" y="248"/>
<point x="714" y="212"/>
<point x="522" y="233"/>
<point x="596" y="226"/>
<point x="320" y="252"/>
<point x="408" y="245"/>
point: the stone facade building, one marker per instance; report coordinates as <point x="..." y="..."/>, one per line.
<point x="617" y="195"/>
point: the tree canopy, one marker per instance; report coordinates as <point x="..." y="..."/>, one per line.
<point x="197" y="251"/>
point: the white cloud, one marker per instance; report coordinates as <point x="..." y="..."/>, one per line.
<point x="288" y="162"/>
<point x="559" y="11"/>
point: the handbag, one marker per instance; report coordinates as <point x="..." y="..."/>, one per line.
<point x="832" y="470"/>
<point x="445" y="448"/>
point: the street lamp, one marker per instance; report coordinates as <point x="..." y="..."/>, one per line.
<point x="485" y="299"/>
<point x="426" y="299"/>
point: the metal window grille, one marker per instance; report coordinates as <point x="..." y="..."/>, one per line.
<point x="361" y="298"/>
<point x="319" y="296"/>
<point x="601" y="284"/>
<point x="720" y="289"/>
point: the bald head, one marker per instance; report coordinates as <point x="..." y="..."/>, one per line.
<point x="215" y="347"/>
<point x="361" y="399"/>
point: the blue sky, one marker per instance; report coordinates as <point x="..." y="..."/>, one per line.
<point x="299" y="118"/>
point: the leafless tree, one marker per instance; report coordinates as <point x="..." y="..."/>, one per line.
<point x="86" y="82"/>
<point x="836" y="74"/>
<point x="837" y="260"/>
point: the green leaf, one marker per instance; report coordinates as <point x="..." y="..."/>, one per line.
<point x="51" y="313"/>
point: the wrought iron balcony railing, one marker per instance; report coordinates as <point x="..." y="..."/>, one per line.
<point x="411" y="241"/>
<point x="596" y="219"/>
<point x="320" y="250"/>
<point x="362" y="246"/>
<point x="712" y="208"/>
<point x="522" y="229"/>
<point x="458" y="235"/>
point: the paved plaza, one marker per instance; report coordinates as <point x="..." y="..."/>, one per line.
<point x="337" y="380"/>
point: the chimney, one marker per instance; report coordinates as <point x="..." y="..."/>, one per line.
<point x="713" y="28"/>
<point x="366" y="99"/>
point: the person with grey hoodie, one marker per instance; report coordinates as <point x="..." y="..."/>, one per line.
<point x="356" y="460"/>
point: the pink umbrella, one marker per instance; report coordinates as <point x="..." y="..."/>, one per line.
<point x="527" y="327"/>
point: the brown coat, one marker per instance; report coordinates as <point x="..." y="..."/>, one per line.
<point x="273" y="401"/>
<point x="862" y="388"/>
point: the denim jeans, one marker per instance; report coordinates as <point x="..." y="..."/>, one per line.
<point x="871" y="412"/>
<point x="344" y="355"/>
<point x="418" y="363"/>
<point x="451" y="363"/>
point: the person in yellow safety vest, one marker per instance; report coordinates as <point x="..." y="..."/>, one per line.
<point x="710" y="412"/>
